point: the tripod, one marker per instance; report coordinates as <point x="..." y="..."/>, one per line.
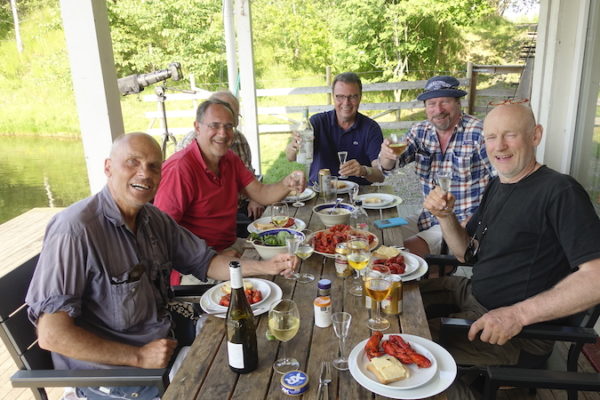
<point x="166" y="136"/>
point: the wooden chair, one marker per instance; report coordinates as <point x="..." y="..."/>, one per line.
<point x="551" y="371"/>
<point x="35" y="365"/>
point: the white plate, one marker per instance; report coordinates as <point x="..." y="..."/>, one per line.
<point x="411" y="262"/>
<point x="299" y="225"/>
<point x="396" y="201"/>
<point x="306" y="195"/>
<point x="216" y="292"/>
<point x="421" y="270"/>
<point x="342" y="190"/>
<point x="416" y="376"/>
<point x="384" y="200"/>
<point x="210" y="307"/>
<point x="440" y="382"/>
<point x="373" y="244"/>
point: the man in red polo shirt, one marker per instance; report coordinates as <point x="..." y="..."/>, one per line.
<point x="200" y="184"/>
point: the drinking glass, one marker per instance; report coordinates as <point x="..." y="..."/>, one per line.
<point x="398" y="145"/>
<point x="297" y="180"/>
<point x="444" y="178"/>
<point x="358" y="259"/>
<point x="279" y="214"/>
<point x="377" y="287"/>
<point x="342" y="155"/>
<point x="341" y="326"/>
<point x="303" y="250"/>
<point x="329" y="189"/>
<point x="284" y="322"/>
<point x="353" y="193"/>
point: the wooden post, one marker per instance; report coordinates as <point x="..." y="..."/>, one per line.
<point x="472" y="76"/>
<point x="328" y="83"/>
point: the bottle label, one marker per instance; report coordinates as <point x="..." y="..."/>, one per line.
<point x="235" y="352"/>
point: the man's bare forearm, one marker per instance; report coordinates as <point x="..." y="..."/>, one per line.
<point x="58" y="333"/>
<point x="455" y="235"/>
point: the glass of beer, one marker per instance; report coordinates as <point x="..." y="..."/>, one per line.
<point x="398" y="145"/>
<point x="377" y="286"/>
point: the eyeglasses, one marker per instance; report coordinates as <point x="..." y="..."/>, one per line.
<point x="353" y="98"/>
<point x="507" y="101"/>
<point x="217" y="126"/>
<point x="471" y="253"/>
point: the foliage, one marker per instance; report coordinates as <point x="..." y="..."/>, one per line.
<point x="148" y="35"/>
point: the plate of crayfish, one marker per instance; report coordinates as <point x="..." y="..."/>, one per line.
<point x="410" y="350"/>
<point x="325" y="240"/>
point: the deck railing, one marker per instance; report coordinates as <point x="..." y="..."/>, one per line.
<point x="473" y="103"/>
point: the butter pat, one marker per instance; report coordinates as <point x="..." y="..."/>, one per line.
<point x="387" y="369"/>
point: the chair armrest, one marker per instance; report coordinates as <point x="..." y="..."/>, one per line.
<point x="443" y="259"/>
<point x="535" y="378"/>
<point x="538" y="331"/>
<point x="190" y="290"/>
<point x="94" y="377"/>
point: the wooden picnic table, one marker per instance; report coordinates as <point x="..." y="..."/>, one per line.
<point x="205" y="373"/>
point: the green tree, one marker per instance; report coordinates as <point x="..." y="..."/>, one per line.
<point x="148" y="35"/>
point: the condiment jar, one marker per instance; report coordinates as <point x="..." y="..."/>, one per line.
<point x="342" y="269"/>
<point x="294" y="383"/>
<point x="322" y="307"/>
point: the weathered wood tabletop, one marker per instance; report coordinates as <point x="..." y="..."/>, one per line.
<point x="205" y="373"/>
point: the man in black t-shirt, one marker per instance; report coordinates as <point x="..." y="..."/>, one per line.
<point x="534" y="244"/>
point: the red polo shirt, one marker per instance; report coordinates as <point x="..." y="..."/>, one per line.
<point x="199" y="200"/>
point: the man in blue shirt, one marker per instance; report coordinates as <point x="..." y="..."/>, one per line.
<point x="344" y="129"/>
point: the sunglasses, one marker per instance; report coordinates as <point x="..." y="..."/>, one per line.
<point x="472" y="251"/>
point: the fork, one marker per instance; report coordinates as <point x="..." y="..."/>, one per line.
<point x="324" y="381"/>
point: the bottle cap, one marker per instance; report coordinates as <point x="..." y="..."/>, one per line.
<point x="324" y="284"/>
<point x="294" y="383"/>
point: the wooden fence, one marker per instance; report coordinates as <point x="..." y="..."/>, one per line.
<point x="474" y="103"/>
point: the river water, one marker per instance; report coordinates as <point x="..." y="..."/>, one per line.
<point x="40" y="172"/>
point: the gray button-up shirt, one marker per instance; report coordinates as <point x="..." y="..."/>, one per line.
<point x="114" y="283"/>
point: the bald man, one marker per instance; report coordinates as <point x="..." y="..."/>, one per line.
<point x="100" y="290"/>
<point x="534" y="244"/>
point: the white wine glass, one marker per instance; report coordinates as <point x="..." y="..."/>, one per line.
<point x="342" y="155"/>
<point x="398" y="145"/>
<point x="341" y="326"/>
<point x="299" y="248"/>
<point x="377" y="286"/>
<point x="297" y="180"/>
<point x="279" y="214"/>
<point x="444" y="179"/>
<point x="358" y="259"/>
<point x="284" y="322"/>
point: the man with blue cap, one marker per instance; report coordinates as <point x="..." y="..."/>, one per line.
<point x="448" y="141"/>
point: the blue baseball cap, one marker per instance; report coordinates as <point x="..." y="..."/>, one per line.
<point x="441" y="86"/>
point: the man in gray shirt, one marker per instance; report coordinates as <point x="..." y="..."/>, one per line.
<point x="100" y="289"/>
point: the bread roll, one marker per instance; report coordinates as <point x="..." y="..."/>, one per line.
<point x="226" y="288"/>
<point x="372" y="200"/>
<point x="387" y="369"/>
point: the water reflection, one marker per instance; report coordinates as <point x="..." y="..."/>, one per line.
<point x="40" y="172"/>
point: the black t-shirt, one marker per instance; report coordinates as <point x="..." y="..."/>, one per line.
<point x="538" y="231"/>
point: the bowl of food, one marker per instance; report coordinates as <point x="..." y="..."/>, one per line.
<point x="271" y="242"/>
<point x="331" y="216"/>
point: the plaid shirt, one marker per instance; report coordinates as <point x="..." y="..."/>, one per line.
<point x="465" y="156"/>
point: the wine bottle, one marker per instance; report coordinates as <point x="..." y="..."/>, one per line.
<point x="305" y="129"/>
<point x="242" y="349"/>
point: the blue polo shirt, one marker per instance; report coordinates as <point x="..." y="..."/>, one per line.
<point x="362" y="142"/>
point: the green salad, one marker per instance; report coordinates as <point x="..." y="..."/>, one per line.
<point x="276" y="239"/>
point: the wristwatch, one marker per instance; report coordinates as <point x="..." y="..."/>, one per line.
<point x="367" y="171"/>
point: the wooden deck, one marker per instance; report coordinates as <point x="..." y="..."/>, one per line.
<point x="21" y="238"/>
